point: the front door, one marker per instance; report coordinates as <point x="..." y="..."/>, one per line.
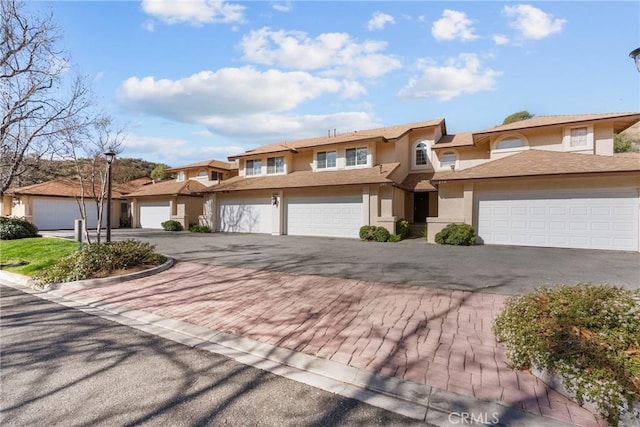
<point x="420" y="207"/>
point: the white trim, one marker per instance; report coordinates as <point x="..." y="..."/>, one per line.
<point x="356" y="147"/>
<point x="315" y="167"/>
<point x="566" y="138"/>
<point x="512" y="135"/>
<point x="414" y="147"/>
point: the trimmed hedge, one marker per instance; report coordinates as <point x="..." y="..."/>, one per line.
<point x="457" y="234"/>
<point x="12" y="228"/>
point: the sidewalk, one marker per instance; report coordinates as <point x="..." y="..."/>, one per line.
<point x="435" y="338"/>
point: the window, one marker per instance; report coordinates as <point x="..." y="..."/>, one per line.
<point x="253" y="167"/>
<point x="422" y="154"/>
<point x="578" y="137"/>
<point x="448" y="159"/>
<point x="510" y="142"/>
<point x="326" y="160"/>
<point x="180" y="176"/>
<point x="357" y="156"/>
<point x="202" y="173"/>
<point x="216" y="176"/>
<point x="275" y="165"/>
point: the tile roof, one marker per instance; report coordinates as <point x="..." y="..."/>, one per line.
<point x="171" y="187"/>
<point x="542" y="162"/>
<point x="628" y="119"/>
<point x="59" y="188"/>
<point x="206" y="164"/>
<point x="133" y="185"/>
<point x="418" y="182"/>
<point x="391" y="132"/>
<point x="303" y="179"/>
<point x="456" y="140"/>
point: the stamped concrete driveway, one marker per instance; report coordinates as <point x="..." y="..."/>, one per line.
<point x="497" y="269"/>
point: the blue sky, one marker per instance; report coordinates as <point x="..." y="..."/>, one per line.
<point x="198" y="80"/>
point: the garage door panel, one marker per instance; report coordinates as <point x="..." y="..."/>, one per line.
<point x="577" y="219"/>
<point x="153" y="214"/>
<point x="339" y="216"/>
<point x="245" y="216"/>
<point x="60" y="214"/>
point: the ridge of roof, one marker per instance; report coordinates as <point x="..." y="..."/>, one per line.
<point x="388" y="132"/>
<point x="206" y="163"/>
<point x="163" y="188"/>
<point x="543" y="162"/>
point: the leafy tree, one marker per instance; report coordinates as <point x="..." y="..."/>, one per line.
<point x="160" y="172"/>
<point x="621" y="144"/>
<point x="42" y="102"/>
<point x="516" y="117"/>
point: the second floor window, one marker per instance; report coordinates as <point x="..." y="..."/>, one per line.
<point x="275" y="165"/>
<point x="326" y="159"/>
<point x="216" y="176"/>
<point x="357" y="156"/>
<point x="253" y="167"/>
<point x="181" y="176"/>
<point x="422" y="156"/>
<point x="579" y="137"/>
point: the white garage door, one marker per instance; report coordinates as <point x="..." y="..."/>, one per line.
<point x="59" y="214"/>
<point x="245" y="215"/>
<point x="339" y="216"/>
<point x="568" y="219"/>
<point x="153" y="214"/>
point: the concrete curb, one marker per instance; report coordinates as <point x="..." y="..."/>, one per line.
<point x="27" y="281"/>
<point x="418" y="401"/>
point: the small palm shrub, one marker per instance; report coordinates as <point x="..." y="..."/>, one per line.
<point x="457" y="234"/>
<point x="171" y="225"/>
<point x="394" y="238"/>
<point x="199" y="229"/>
<point x="12" y="228"/>
<point x="403" y="228"/>
<point x="588" y="334"/>
<point x="99" y="260"/>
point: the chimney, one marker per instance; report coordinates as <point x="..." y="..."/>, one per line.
<point x="328" y="133"/>
<point x="334" y="133"/>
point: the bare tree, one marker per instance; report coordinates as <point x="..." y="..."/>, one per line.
<point x="41" y="102"/>
<point x="91" y="142"/>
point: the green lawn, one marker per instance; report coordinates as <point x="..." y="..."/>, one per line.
<point x="30" y="256"/>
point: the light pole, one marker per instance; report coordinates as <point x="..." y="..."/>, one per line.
<point x="110" y="155"/>
<point x="635" y="55"/>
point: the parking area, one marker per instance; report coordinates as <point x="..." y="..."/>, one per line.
<point x="506" y="270"/>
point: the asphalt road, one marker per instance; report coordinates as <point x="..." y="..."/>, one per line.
<point x="63" y="367"/>
<point x="507" y="270"/>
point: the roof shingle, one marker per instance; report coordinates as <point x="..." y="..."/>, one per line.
<point x="60" y="188"/>
<point x="164" y="188"/>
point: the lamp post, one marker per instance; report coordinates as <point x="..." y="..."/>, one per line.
<point x="109" y="155"/>
<point x="635" y="55"/>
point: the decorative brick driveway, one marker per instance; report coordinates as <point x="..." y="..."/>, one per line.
<point x="437" y="337"/>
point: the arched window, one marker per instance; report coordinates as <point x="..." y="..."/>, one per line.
<point x="422" y="154"/>
<point x="202" y="173"/>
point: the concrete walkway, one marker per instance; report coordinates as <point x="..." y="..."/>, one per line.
<point x="437" y="338"/>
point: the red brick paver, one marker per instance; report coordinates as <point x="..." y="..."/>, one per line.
<point x="438" y="337"/>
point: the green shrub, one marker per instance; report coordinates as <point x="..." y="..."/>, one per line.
<point x="457" y="234"/>
<point x="381" y="234"/>
<point x="588" y="334"/>
<point x="99" y="260"/>
<point x="367" y="232"/>
<point x="12" y="228"/>
<point x="199" y="229"/>
<point x="403" y="228"/>
<point x="171" y="225"/>
<point x="394" y="238"/>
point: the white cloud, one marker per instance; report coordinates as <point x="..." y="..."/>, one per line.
<point x="334" y="54"/>
<point x="283" y="7"/>
<point x="194" y="12"/>
<point x="226" y="92"/>
<point x="453" y="25"/>
<point x="149" y="25"/>
<point x="174" y="151"/>
<point x="500" y="39"/>
<point x="462" y="75"/>
<point x="379" y="20"/>
<point x="532" y="22"/>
